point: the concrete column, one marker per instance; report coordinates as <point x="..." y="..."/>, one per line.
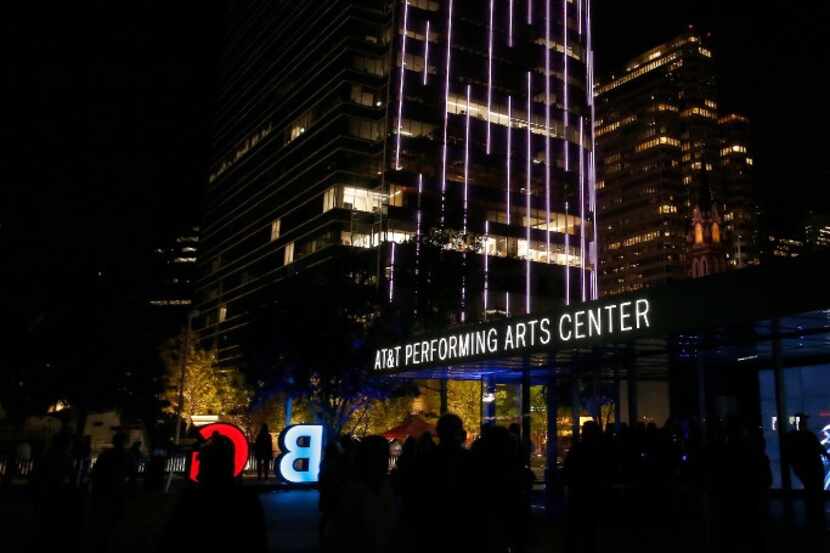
<point x="596" y="409"/>
<point x="617" y="401"/>
<point x="526" y="411"/>
<point x="552" y="449"/>
<point x="633" y="376"/>
<point x="576" y="406"/>
<point x="780" y="403"/>
<point x="700" y="365"/>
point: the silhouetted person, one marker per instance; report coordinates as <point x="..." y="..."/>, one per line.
<point x="136" y="458"/>
<point x="586" y="473"/>
<point x="156" y="465"/>
<point x="804" y="453"/>
<point x="334" y="471"/>
<point x="448" y="486"/>
<point x="501" y="495"/>
<point x="59" y="505"/>
<point x="404" y="477"/>
<point x="110" y="476"/>
<point x="217" y="514"/>
<point x="83" y="461"/>
<point x="367" y="516"/>
<point x="264" y="453"/>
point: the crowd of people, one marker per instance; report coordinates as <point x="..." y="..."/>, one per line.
<point x="442" y="496"/>
<point x="439" y="497"/>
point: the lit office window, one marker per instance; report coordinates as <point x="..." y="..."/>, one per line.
<point x="275" y="229"/>
<point x="223" y="313"/>
<point x="288" y="254"/>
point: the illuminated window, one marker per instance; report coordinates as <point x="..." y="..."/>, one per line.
<point x="352" y="198"/>
<point x="705" y="52"/>
<point x="288" y="256"/>
<point x="275" y="229"/>
<point x="715" y="233"/>
<point x="666" y="107"/>
<point x="698" y="233"/>
<point x="636" y="71"/>
<point x="667" y="209"/>
<point x="223" y="313"/>
<point x="366" y="128"/>
<point x="700" y="112"/>
<point x="611" y="127"/>
<point x="734" y="149"/>
<point x="395" y="195"/>
<point x="659" y="141"/>
<point x="410" y="128"/>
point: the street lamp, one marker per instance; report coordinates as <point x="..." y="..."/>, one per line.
<point x="190" y="316"/>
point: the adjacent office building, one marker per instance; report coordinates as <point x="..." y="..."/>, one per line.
<point x="665" y="150"/>
<point x="371" y="125"/>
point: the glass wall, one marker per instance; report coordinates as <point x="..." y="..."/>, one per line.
<point x="807" y="391"/>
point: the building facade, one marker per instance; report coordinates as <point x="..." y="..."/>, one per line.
<point x="370" y="125"/>
<point x="664" y="150"/>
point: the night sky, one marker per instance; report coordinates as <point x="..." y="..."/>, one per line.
<point x="106" y="120"/>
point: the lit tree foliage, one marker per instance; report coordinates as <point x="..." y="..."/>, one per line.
<point x="464" y="400"/>
<point x="208" y="388"/>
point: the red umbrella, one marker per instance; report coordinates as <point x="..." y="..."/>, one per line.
<point x="412" y="426"/>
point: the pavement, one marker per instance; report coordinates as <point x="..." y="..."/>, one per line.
<point x="292" y="523"/>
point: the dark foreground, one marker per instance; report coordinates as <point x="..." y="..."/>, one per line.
<point x="292" y="526"/>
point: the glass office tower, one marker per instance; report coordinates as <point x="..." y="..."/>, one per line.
<point x="370" y="127"/>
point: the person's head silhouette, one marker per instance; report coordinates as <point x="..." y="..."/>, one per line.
<point x="216" y="462"/>
<point x="373" y="460"/>
<point x="451" y="431"/>
<point x="802" y="421"/>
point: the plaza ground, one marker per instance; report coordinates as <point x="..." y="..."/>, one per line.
<point x="292" y="524"/>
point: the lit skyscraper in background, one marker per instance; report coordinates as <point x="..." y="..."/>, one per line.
<point x="664" y="150"/>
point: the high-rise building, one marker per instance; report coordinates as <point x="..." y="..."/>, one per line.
<point x="172" y="287"/>
<point x="346" y="126"/>
<point x="174" y="271"/>
<point x="817" y="231"/>
<point x="664" y="151"/>
<point x="740" y="215"/>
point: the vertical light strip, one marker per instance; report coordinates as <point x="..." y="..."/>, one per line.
<point x="403" y="77"/>
<point x="592" y="171"/>
<point x="509" y="153"/>
<point x="490" y="77"/>
<point x="466" y="157"/>
<point x="486" y="265"/>
<point x="418" y="225"/>
<point x="392" y="274"/>
<point x="446" y="118"/>
<point x="547" y="131"/>
<point x="565" y="103"/>
<point x="510" y="24"/>
<point x="579" y="15"/>
<point x="466" y="205"/>
<point x="507" y="163"/>
<point x="426" y="55"/>
<point x="529" y="12"/>
<point x="529" y="183"/>
<point x="582" y="210"/>
<point x="567" y="257"/>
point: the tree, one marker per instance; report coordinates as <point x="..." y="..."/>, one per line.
<point x="208" y="388"/>
<point x="316" y="340"/>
